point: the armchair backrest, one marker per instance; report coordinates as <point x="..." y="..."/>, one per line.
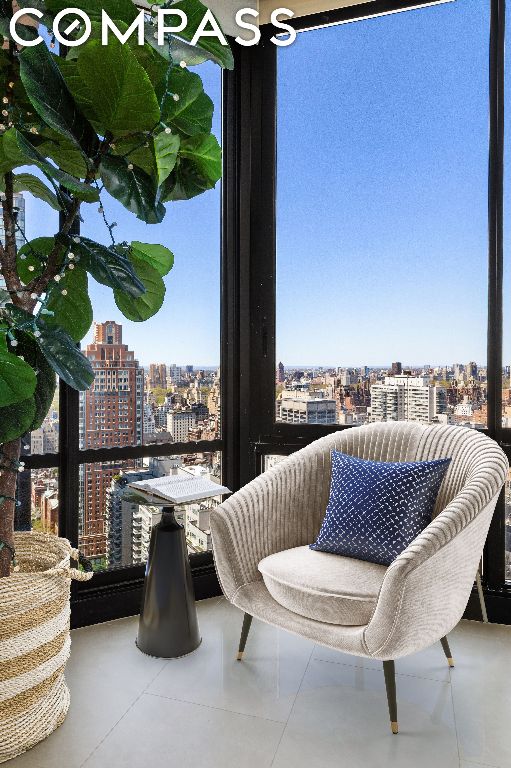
<point x="475" y="458"/>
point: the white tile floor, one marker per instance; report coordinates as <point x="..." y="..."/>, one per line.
<point x="289" y="704"/>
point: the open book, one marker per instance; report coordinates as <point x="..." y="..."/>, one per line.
<point x="178" y="489"/>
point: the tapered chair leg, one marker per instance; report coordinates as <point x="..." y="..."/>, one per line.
<point x="390" y="684"/>
<point x="447" y="651"/>
<point x="247" y="621"/>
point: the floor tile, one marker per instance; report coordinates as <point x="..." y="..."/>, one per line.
<point x="470" y="764"/>
<point x="265" y="683"/>
<point x="480" y="687"/>
<point x="430" y="663"/>
<point x="106" y="673"/>
<point x="165" y="733"/>
<point x="340" y="719"/>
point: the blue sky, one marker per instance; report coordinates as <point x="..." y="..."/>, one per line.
<point x="187" y="328"/>
<point x="382" y="190"/>
<point x="382" y="199"/>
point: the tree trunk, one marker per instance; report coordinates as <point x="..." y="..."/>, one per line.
<point x="8" y="478"/>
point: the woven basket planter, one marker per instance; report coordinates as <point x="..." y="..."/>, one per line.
<point x="35" y="641"/>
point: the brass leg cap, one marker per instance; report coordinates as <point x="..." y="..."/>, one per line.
<point x="239" y="656"/>
<point x="394" y="726"/>
<point x="450" y="661"/>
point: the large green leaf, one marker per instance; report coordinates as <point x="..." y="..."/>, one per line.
<point x="166" y="147"/>
<point x="77" y="187"/>
<point x="11" y="155"/>
<point x="198" y="169"/>
<point x="64" y="356"/>
<point x="70" y="303"/>
<point x="134" y="188"/>
<point x="120" y="91"/>
<point x="26" y="182"/>
<point x="17" y="379"/>
<point x="195" y="11"/>
<point x="52" y="99"/>
<point x="65" y="156"/>
<point x="151" y="59"/>
<point x="150" y="302"/>
<point x="183" y="183"/>
<point x="16" y="419"/>
<point x="204" y="152"/>
<point x="192" y="54"/>
<point x="108" y="266"/>
<point x="134" y="149"/>
<point x="79" y="89"/>
<point x="159" y="257"/>
<point x="46" y="380"/>
<point x="193" y="112"/>
<point x="33" y="254"/>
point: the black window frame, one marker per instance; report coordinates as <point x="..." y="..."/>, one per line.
<point x="248" y="293"/>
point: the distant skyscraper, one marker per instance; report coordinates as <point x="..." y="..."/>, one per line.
<point x="396" y="369"/>
<point x="111" y="414"/>
<point x="407" y="398"/>
<point x="304" y="408"/>
<point x="157" y="376"/>
<point x="179" y="423"/>
<point x="281" y="376"/>
<point x="175" y="373"/>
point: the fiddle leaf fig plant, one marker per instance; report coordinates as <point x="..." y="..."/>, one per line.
<point x="126" y="120"/>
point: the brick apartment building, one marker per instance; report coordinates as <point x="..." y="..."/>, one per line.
<point x="111" y="414"/>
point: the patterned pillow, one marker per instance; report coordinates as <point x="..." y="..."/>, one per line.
<point x="377" y="508"/>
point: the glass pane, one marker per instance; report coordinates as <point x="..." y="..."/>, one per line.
<point x="45" y="439"/>
<point x="38" y="496"/>
<point x="115" y="532"/>
<point x="382" y="220"/>
<point x="158" y="381"/>
<point x="129" y="404"/>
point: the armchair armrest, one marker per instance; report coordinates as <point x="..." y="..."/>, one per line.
<point x="426" y="589"/>
<point x="280" y="509"/>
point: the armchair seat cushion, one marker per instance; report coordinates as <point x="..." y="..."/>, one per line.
<point x="322" y="586"/>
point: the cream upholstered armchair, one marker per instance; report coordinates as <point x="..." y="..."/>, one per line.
<point x="261" y="536"/>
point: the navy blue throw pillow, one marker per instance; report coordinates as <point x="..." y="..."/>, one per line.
<point x="377" y="508"/>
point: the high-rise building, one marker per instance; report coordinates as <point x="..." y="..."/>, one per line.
<point x="149" y="421"/>
<point x="175" y="373"/>
<point x="396" y="369"/>
<point x="157" y="376"/>
<point x="111" y="414"/>
<point x="348" y="377"/>
<point x="407" y="398"/>
<point x="304" y="408"/>
<point x="281" y="375"/>
<point x="179" y="423"/>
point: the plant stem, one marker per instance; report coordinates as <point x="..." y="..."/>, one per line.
<point x="9" y="272"/>
<point x="8" y="479"/>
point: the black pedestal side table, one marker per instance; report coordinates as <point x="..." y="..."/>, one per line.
<point x="168" y="625"/>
